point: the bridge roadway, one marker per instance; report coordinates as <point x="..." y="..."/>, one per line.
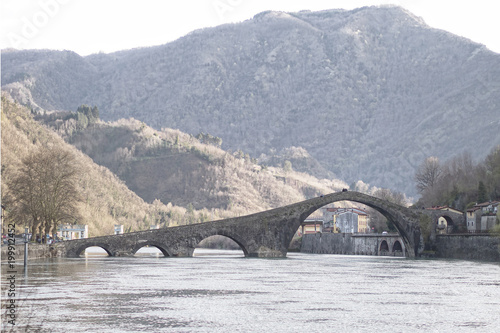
<point x="265" y="234"/>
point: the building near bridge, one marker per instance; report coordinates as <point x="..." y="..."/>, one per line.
<point x="118" y="229"/>
<point x="482" y="217"/>
<point x="310" y="226"/>
<point x="72" y="231"/>
<point x="345" y="220"/>
<point x="474" y="219"/>
<point x="490" y="207"/>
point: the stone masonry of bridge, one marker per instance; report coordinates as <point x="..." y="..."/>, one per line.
<point x="265" y="234"/>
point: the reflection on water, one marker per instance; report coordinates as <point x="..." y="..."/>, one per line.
<point x="218" y="253"/>
<point x="220" y="291"/>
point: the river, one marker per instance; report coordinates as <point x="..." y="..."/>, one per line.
<point x="220" y="291"/>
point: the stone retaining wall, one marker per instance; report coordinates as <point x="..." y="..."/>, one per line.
<point x="354" y="244"/>
<point x="468" y="246"/>
<point x="455" y="246"/>
<point x="35" y="251"/>
<point x="327" y="243"/>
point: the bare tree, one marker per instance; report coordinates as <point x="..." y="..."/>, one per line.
<point x="428" y="174"/>
<point x="377" y="220"/>
<point x="391" y="196"/>
<point x="44" y="190"/>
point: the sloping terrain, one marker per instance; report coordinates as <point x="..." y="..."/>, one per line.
<point x="106" y="200"/>
<point x="176" y="167"/>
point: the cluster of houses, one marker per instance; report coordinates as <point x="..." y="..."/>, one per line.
<point x="482" y="217"/>
<point x="338" y="220"/>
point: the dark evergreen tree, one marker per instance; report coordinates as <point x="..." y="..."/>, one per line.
<point x="481" y="192"/>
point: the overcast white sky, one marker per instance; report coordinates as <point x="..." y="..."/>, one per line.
<point x="91" y="26"/>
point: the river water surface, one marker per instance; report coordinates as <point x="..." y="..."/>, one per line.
<point x="219" y="291"/>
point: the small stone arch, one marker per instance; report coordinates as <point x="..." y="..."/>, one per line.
<point x="231" y="237"/>
<point x="444" y="224"/>
<point x="164" y="250"/>
<point x="397" y="247"/>
<point x="384" y="246"/>
<point x="83" y="247"/>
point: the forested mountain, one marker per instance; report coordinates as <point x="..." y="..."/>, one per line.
<point x="363" y="94"/>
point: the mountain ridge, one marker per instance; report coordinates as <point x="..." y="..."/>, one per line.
<point x="368" y="93"/>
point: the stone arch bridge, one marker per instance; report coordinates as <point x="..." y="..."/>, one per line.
<point x="265" y="234"/>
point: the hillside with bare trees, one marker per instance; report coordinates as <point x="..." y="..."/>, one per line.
<point x="179" y="179"/>
<point x="186" y="170"/>
<point x="459" y="182"/>
<point x="104" y="198"/>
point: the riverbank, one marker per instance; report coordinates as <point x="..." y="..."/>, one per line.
<point x="35" y="251"/>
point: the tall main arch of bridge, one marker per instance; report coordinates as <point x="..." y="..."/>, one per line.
<point x="265" y="234"/>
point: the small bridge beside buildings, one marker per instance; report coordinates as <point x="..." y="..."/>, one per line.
<point x="265" y="234"/>
<point x="354" y="244"/>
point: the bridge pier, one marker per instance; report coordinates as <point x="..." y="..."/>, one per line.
<point x="265" y="252"/>
<point x="122" y="254"/>
<point x="184" y="252"/>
